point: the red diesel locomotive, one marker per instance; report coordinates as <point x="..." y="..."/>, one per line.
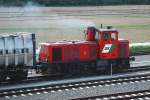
<point x="100" y="51"/>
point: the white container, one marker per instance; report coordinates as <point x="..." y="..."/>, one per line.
<point x="16" y="50"/>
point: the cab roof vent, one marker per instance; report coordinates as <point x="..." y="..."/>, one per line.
<point x="109" y="27"/>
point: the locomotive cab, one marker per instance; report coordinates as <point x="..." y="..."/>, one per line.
<point x="107" y="41"/>
<point x="108" y="45"/>
<point x="110" y="49"/>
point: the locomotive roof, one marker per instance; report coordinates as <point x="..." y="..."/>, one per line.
<point x="102" y="30"/>
<point x="65" y="42"/>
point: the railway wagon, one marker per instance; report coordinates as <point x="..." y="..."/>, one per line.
<point x="16" y="55"/>
<point x="100" y="51"/>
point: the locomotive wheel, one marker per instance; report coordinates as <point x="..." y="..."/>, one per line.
<point x="45" y="71"/>
<point x="19" y="75"/>
<point x="124" y="65"/>
<point x="2" y="75"/>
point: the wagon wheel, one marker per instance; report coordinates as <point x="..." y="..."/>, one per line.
<point x="19" y="75"/>
<point x="2" y="75"/>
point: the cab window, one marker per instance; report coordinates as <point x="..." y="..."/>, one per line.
<point x="106" y="36"/>
<point x="113" y="36"/>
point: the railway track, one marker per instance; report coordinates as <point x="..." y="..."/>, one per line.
<point x="140" y="68"/>
<point x="136" y="95"/>
<point x="73" y="86"/>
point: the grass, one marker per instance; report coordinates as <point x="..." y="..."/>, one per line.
<point x="26" y="29"/>
<point x="144" y="26"/>
<point x="138" y="16"/>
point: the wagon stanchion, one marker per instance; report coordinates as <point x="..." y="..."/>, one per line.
<point x="34" y="50"/>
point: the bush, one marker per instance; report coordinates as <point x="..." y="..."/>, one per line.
<point x="140" y="48"/>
